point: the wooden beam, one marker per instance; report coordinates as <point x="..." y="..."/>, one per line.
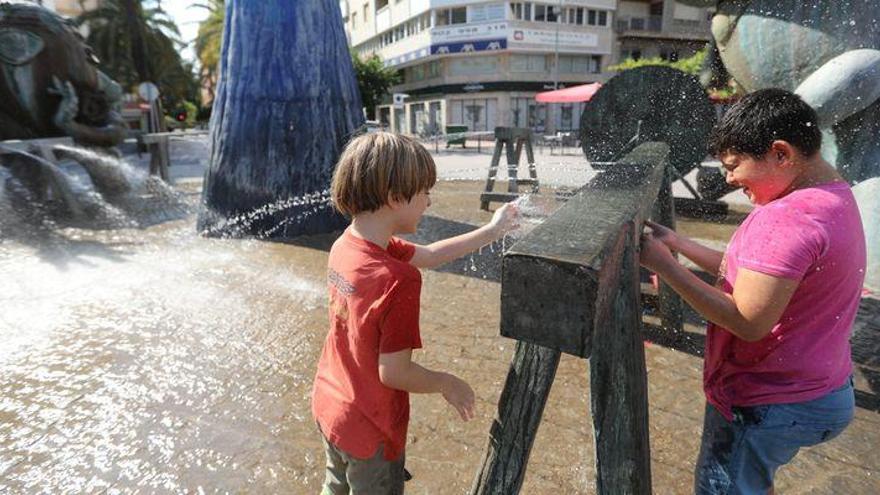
<point x="519" y="413"/>
<point x="668" y="301"/>
<point x="563" y="271"/>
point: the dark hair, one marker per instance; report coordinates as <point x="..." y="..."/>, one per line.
<point x="752" y="124"/>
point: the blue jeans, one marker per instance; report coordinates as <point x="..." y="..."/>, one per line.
<point x="742" y="456"/>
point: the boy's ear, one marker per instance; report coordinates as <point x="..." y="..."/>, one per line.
<point x="782" y="152"/>
<point x="393" y="203"/>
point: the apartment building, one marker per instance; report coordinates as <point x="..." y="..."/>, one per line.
<point x="480" y="63"/>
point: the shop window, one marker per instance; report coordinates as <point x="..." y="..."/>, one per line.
<point x="540" y="12"/>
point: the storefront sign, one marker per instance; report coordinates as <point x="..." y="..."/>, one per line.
<point x="548" y="37"/>
<point x="469" y="46"/>
<point x="407" y="57"/>
<point x="467" y="32"/>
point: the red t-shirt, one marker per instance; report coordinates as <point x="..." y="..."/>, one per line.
<point x="374" y="308"/>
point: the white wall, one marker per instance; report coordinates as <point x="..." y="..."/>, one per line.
<point x="689" y="13"/>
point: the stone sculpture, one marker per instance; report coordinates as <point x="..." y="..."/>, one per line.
<point x="50" y="85"/>
<point x="827" y="51"/>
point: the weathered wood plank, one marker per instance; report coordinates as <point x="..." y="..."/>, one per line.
<point x="669" y="300"/>
<point x="553" y="273"/>
<point x="519" y="414"/>
<point x="618" y="380"/>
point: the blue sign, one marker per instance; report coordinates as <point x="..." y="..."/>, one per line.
<point x="469" y="46"/>
<point x="407" y="57"/>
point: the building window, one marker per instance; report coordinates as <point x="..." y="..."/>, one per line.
<point x="381" y="4"/>
<point x="354" y="16"/>
<point x="596" y="64"/>
<point x="576" y="16"/>
<point x="552" y="14"/>
<point x="366" y="17"/>
<point x="528" y="63"/>
<point x="594" y="17"/>
<point x="473" y="66"/>
<point x="516" y="10"/>
<point x="457" y="15"/>
<point x="540" y="13"/>
<point x="434" y="69"/>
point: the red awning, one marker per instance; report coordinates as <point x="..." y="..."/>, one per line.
<point x="573" y="94"/>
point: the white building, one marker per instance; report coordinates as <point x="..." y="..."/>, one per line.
<point x="480" y="63"/>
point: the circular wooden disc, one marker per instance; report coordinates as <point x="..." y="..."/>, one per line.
<point x="671" y="105"/>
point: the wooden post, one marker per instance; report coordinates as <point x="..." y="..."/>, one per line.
<point x="619" y="385"/>
<point x="493" y="171"/>
<point x="519" y="414"/>
<point x="512" y="140"/>
<point x="159" y="157"/>
<point x="585" y="255"/>
<point x="669" y="300"/>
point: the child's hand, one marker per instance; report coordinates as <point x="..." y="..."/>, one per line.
<point x="654" y="254"/>
<point x="663" y="234"/>
<point x="460" y="395"/>
<point x="505" y="219"/>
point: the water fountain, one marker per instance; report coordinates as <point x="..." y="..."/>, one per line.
<point x="139" y="356"/>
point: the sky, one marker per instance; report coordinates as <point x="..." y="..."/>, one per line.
<point x="187" y="20"/>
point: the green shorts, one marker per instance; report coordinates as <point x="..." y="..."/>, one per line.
<point x="346" y="475"/>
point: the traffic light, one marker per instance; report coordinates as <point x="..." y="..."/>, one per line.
<point x="180" y="115"/>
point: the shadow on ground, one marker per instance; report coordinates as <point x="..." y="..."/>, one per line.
<point x="486" y="265"/>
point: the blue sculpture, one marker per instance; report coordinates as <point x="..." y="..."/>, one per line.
<point x="286" y="104"/>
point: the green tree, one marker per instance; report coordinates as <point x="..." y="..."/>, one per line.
<point x="136" y="41"/>
<point x="374" y="80"/>
<point x="207" y="44"/>
<point x="690" y="65"/>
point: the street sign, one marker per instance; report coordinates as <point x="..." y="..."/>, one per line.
<point x="398" y="98"/>
<point x="148" y="91"/>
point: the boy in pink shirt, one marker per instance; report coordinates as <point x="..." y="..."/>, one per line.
<point x="777" y="370"/>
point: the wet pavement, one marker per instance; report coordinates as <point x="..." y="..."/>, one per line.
<point x="150" y="360"/>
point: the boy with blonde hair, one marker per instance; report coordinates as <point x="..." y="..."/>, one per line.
<point x="365" y="374"/>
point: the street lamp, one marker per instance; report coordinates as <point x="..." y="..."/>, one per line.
<point x="553" y="106"/>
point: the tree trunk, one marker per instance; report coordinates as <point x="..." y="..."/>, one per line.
<point x="287" y="102"/>
<point x="134" y="19"/>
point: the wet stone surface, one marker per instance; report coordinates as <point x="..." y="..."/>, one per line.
<point x="154" y="361"/>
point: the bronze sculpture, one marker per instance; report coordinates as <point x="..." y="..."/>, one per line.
<point x="50" y="85"/>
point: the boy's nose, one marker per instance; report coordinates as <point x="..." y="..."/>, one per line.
<point x="728" y="177"/>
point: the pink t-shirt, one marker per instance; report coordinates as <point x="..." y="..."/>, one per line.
<point x="813" y="235"/>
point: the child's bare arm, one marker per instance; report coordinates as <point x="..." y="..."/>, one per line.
<point x="503" y="221"/>
<point x="396" y="370"/>
<point x="706" y="258"/>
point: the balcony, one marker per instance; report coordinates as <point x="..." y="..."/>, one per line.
<point x="653" y="26"/>
<point x="652" y="23"/>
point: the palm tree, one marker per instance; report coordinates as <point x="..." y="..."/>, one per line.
<point x="135" y="42"/>
<point x="207" y="44"/>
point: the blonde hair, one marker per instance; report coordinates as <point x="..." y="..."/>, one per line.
<point x="376" y="165"/>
